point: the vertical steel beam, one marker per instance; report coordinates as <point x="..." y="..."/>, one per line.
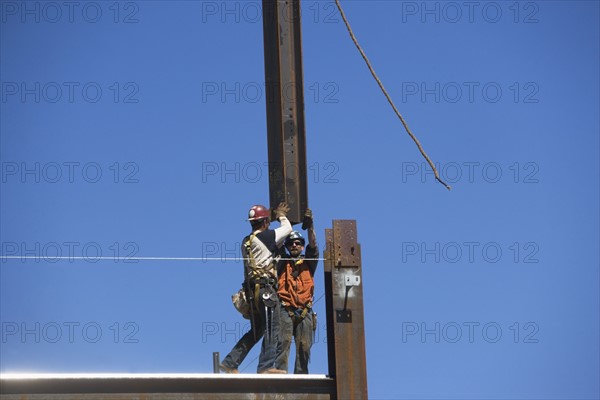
<point x="285" y="106"/>
<point x="329" y="314"/>
<point x="345" y="313"/>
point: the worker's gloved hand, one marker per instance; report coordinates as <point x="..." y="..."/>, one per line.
<point x="307" y="221"/>
<point x="281" y="210"/>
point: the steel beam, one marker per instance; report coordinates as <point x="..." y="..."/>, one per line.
<point x="329" y="314"/>
<point x="285" y="106"/>
<point x="168" y="386"/>
<point x="345" y="312"/>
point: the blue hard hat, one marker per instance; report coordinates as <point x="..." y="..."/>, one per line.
<point x="295" y="235"/>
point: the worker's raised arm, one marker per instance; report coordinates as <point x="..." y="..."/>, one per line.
<point x="307" y="222"/>
<point x="286" y="227"/>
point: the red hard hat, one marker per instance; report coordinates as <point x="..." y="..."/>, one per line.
<point x="258" y="212"/>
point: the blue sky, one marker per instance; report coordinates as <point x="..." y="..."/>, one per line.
<point x="138" y="129"/>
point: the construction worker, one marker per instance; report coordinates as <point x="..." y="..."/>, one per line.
<point x="261" y="251"/>
<point x="296" y="291"/>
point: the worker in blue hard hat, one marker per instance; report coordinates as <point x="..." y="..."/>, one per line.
<point x="296" y="290"/>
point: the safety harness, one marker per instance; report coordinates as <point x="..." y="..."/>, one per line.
<point x="262" y="276"/>
<point x="298" y="314"/>
<point x="267" y="265"/>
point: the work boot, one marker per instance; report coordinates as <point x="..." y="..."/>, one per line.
<point x="273" y="371"/>
<point x="228" y="370"/>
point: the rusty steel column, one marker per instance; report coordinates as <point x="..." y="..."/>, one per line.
<point x="329" y="314"/>
<point x="285" y="106"/>
<point x="345" y="313"/>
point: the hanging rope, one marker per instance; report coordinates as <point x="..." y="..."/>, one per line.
<point x="387" y="96"/>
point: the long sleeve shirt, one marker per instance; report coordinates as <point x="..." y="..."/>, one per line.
<point x="264" y="248"/>
<point x="296" y="286"/>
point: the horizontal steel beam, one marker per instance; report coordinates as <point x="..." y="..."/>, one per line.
<point x="218" y="386"/>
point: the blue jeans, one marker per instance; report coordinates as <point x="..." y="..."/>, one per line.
<point x="266" y="360"/>
<point x="302" y="331"/>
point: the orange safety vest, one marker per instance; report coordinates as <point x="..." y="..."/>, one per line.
<point x="298" y="291"/>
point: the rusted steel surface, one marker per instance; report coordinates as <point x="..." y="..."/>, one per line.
<point x="327" y="268"/>
<point x="347" y="250"/>
<point x="219" y="387"/>
<point x="169" y="396"/>
<point x="343" y="277"/>
<point x="285" y="106"/>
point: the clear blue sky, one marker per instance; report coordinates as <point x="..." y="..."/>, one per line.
<point x="140" y="126"/>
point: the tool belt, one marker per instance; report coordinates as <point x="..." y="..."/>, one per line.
<point x="262" y="282"/>
<point x="297" y="314"/>
<point x="263" y="289"/>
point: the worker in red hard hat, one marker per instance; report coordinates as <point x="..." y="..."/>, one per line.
<point x="261" y="251"/>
